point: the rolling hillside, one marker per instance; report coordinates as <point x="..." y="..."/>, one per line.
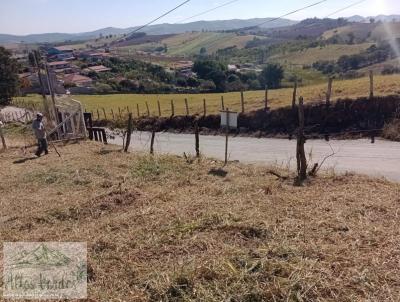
<point x="191" y="43"/>
<point x="158" y="29"/>
<point x="310" y="55"/>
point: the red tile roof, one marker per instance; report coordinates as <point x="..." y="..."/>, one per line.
<point x="77" y="79"/>
<point x="58" y="63"/>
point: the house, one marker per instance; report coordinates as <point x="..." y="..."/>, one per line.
<point x="97" y="69"/>
<point x="61" y="53"/>
<point x="58" y="65"/>
<point x="232" y="67"/>
<point x="78" y="80"/>
<point x="182" y="65"/>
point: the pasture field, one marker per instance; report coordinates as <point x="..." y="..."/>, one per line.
<point x="191" y="43"/>
<point x="166" y="228"/>
<point x="327" y="53"/>
<point x="254" y="100"/>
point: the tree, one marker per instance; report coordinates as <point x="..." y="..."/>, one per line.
<point x="272" y="76"/>
<point x="8" y="76"/>
<point x="211" y="70"/>
<point x="203" y="51"/>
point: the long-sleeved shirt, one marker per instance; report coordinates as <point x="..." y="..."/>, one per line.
<point x="38" y="129"/>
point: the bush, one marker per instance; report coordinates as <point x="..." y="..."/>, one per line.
<point x="254" y="84"/>
<point x="390" y="70"/>
<point x="103" y="88"/>
<point x="207" y="86"/>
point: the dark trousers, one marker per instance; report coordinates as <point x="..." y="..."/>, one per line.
<point x="42" y="147"/>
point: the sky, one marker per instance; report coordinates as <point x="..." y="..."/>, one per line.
<point x="22" y="17"/>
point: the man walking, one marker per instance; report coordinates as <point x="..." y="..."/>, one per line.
<point x="40" y="133"/>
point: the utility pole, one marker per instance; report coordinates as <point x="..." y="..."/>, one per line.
<point x="51" y="91"/>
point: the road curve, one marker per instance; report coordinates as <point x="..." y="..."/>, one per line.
<point x="381" y="159"/>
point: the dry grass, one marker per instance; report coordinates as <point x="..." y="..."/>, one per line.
<point x="161" y="229"/>
<point x="328" y="53"/>
<point x="384" y="85"/>
<point x="391" y="130"/>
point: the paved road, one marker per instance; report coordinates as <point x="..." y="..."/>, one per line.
<point x="360" y="156"/>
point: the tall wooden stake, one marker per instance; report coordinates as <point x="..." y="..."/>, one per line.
<point x="242" y="100"/>
<point x="300" y="152"/>
<point x="227" y="136"/>
<point x="222" y="103"/>
<point x="128" y="133"/>
<point x="371" y="84"/>
<point x="266" y="97"/>
<point x="159" y="107"/>
<point x="187" y="107"/>
<point x="197" y="138"/>
<point x="153" y="135"/>
<point x="104" y="112"/>
<point x="172" y="108"/>
<point x="138" y="110"/>
<point x="294" y="95"/>
<point x="204" y="107"/>
<point x="148" y="109"/>
<point x="329" y="92"/>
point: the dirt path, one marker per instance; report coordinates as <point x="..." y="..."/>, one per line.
<point x="360" y="156"/>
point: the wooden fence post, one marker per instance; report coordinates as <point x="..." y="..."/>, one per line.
<point x="371" y="84"/>
<point x="329" y="92"/>
<point x="98" y="115"/>
<point x="120" y="114"/>
<point x="138" y="110"/>
<point x="112" y="113"/>
<point x="172" y="108"/>
<point x="300" y="152"/>
<point x="153" y="135"/>
<point x="104" y="112"/>
<point x="222" y="103"/>
<point x="129" y="133"/>
<point x="204" y="107"/>
<point x="197" y="138"/>
<point x="159" y="107"/>
<point x="294" y="95"/>
<point x="187" y="107"/>
<point x="148" y="110"/>
<point x="3" y="141"/>
<point x="266" y="97"/>
<point x="127" y="109"/>
<point x="242" y="100"/>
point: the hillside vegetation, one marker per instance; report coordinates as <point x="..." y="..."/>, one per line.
<point x="329" y="53"/>
<point x="191" y="43"/>
<point x="162" y="229"/>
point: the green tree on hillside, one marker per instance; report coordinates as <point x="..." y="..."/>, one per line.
<point x="212" y="70"/>
<point x="272" y="76"/>
<point x="8" y="76"/>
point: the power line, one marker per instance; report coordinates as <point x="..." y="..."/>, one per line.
<point x="208" y="11"/>
<point x="345" y="8"/>
<point x="162" y="16"/>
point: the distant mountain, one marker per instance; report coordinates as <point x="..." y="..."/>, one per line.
<point x="159" y="29"/>
<point x="382" y="18"/>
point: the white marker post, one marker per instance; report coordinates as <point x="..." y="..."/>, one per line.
<point x="228" y="121"/>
